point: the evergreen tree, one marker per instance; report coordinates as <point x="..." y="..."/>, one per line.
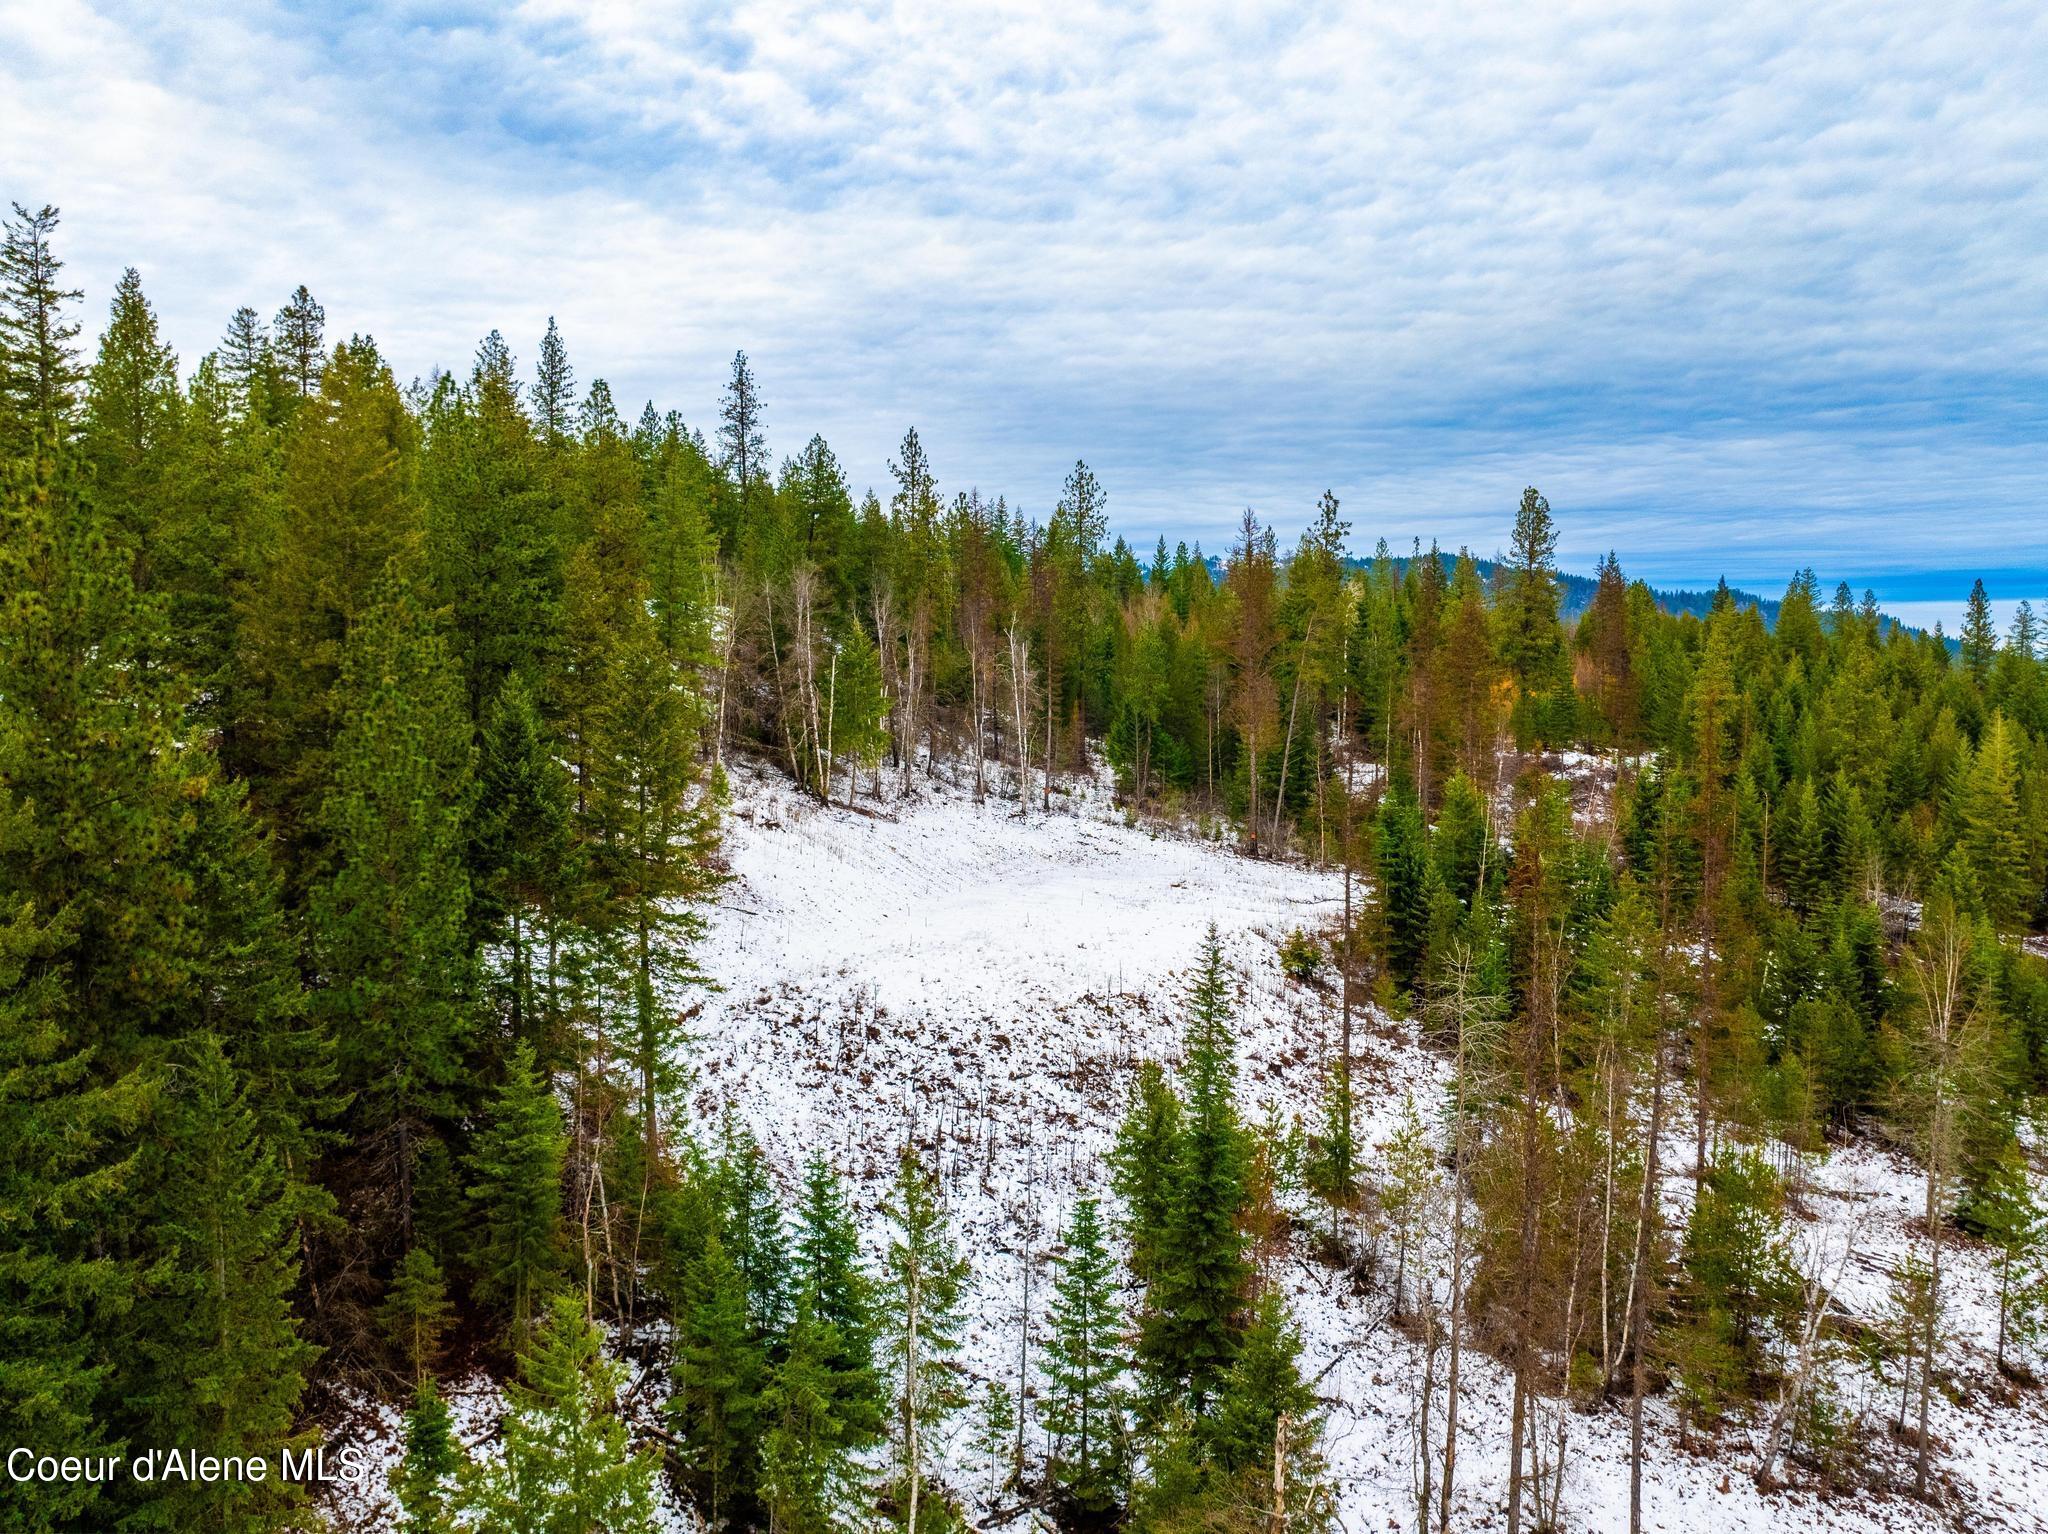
<point x="1948" y="1038"/>
<point x="347" y="532"/>
<point x="1407" y="1198"/>
<point x="994" y="1435"/>
<point x="683" y="573"/>
<point x="925" y="1282"/>
<point x="1083" y="1410"/>
<point x="100" y="963"/>
<point x="62" y="1170"/>
<point x="2013" y="1222"/>
<point x="653" y="828"/>
<point x="516" y="1184"/>
<point x="1801" y="862"/>
<point x="1798" y="629"/>
<point x="1742" y="1281"/>
<point x="721" y="1373"/>
<point x="387" y="920"/>
<point x="1980" y="634"/>
<point x="493" y="549"/>
<point x="830" y="1282"/>
<point x="1988" y="815"/>
<point x="750" y="1226"/>
<point x="151" y="955"/>
<point x="416" y="1312"/>
<point x="1141" y="1165"/>
<point x="857" y="704"/>
<point x="219" y="1364"/>
<point x="567" y="1466"/>
<point x="248" y="367"/>
<point x="39" y="374"/>
<point x="1604" y="636"/>
<point x="1458" y="850"/>
<point x="1848" y="842"/>
<point x="1195" y="1308"/>
<point x="554" y="393"/>
<point x="806" y="1467"/>
<point x="300" y="329"/>
<point x="1263" y="1386"/>
<point x="1465" y="670"/>
<point x="1333" y="1171"/>
<point x="2024" y="641"/>
<point x="823" y="512"/>
<point x="527" y="869"/>
<point x="132" y="431"/>
<point x="105" y="859"/>
<point x="216" y="524"/>
<point x="426" y="1481"/>
<point x="1908" y="1313"/>
<point x="1403" y="892"/>
<point x="1218" y="1473"/>
<point x="741" y="436"/>
<point x="1530" y="639"/>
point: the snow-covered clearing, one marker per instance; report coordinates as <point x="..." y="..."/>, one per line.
<point x="984" y="983"/>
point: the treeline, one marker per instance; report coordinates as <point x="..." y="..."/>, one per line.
<point x="361" y="747"/>
<point x="354" y="743"/>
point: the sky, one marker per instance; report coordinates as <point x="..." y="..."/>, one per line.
<point x="1742" y="288"/>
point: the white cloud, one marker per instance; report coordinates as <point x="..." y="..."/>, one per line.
<point x="1723" y="279"/>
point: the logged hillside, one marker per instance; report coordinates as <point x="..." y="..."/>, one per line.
<point x="985" y="984"/>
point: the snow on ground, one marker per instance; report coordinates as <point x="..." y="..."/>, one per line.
<point x="476" y="1405"/>
<point x="979" y="979"/>
<point x="985" y="982"/>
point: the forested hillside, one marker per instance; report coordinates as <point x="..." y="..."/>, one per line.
<point x="365" y="754"/>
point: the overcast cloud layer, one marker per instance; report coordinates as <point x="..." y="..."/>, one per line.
<point x="1740" y="287"/>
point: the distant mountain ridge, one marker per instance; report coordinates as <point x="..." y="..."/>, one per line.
<point x="1577" y="593"/>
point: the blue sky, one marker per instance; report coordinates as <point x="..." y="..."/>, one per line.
<point x="1740" y="287"/>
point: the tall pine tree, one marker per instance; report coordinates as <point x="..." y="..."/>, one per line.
<point x="218" y="1361"/>
<point x="39" y="374"/>
<point x="926" y="1278"/>
<point x="1196" y="1306"/>
<point x="387" y="919"/>
<point x="1083" y="1411"/>
<point x="516" y="1185"/>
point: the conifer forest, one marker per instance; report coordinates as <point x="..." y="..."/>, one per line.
<point x="591" y="973"/>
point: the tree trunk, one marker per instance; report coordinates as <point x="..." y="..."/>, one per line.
<point x="1794" y="1388"/>
<point x="1251" y="821"/>
<point x="1048" y="739"/>
<point x="1927" y="1326"/>
<point x="910" y="1367"/>
<point x="1457" y="1277"/>
<point x="1287" y="745"/>
<point x="1276" y="1522"/>
<point x="1515" y="1433"/>
<point x="2004" y="1298"/>
<point x="1024" y="1337"/>
<point x="732" y="629"/>
<point x="1636" y="1331"/>
<point x="1427" y="1400"/>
